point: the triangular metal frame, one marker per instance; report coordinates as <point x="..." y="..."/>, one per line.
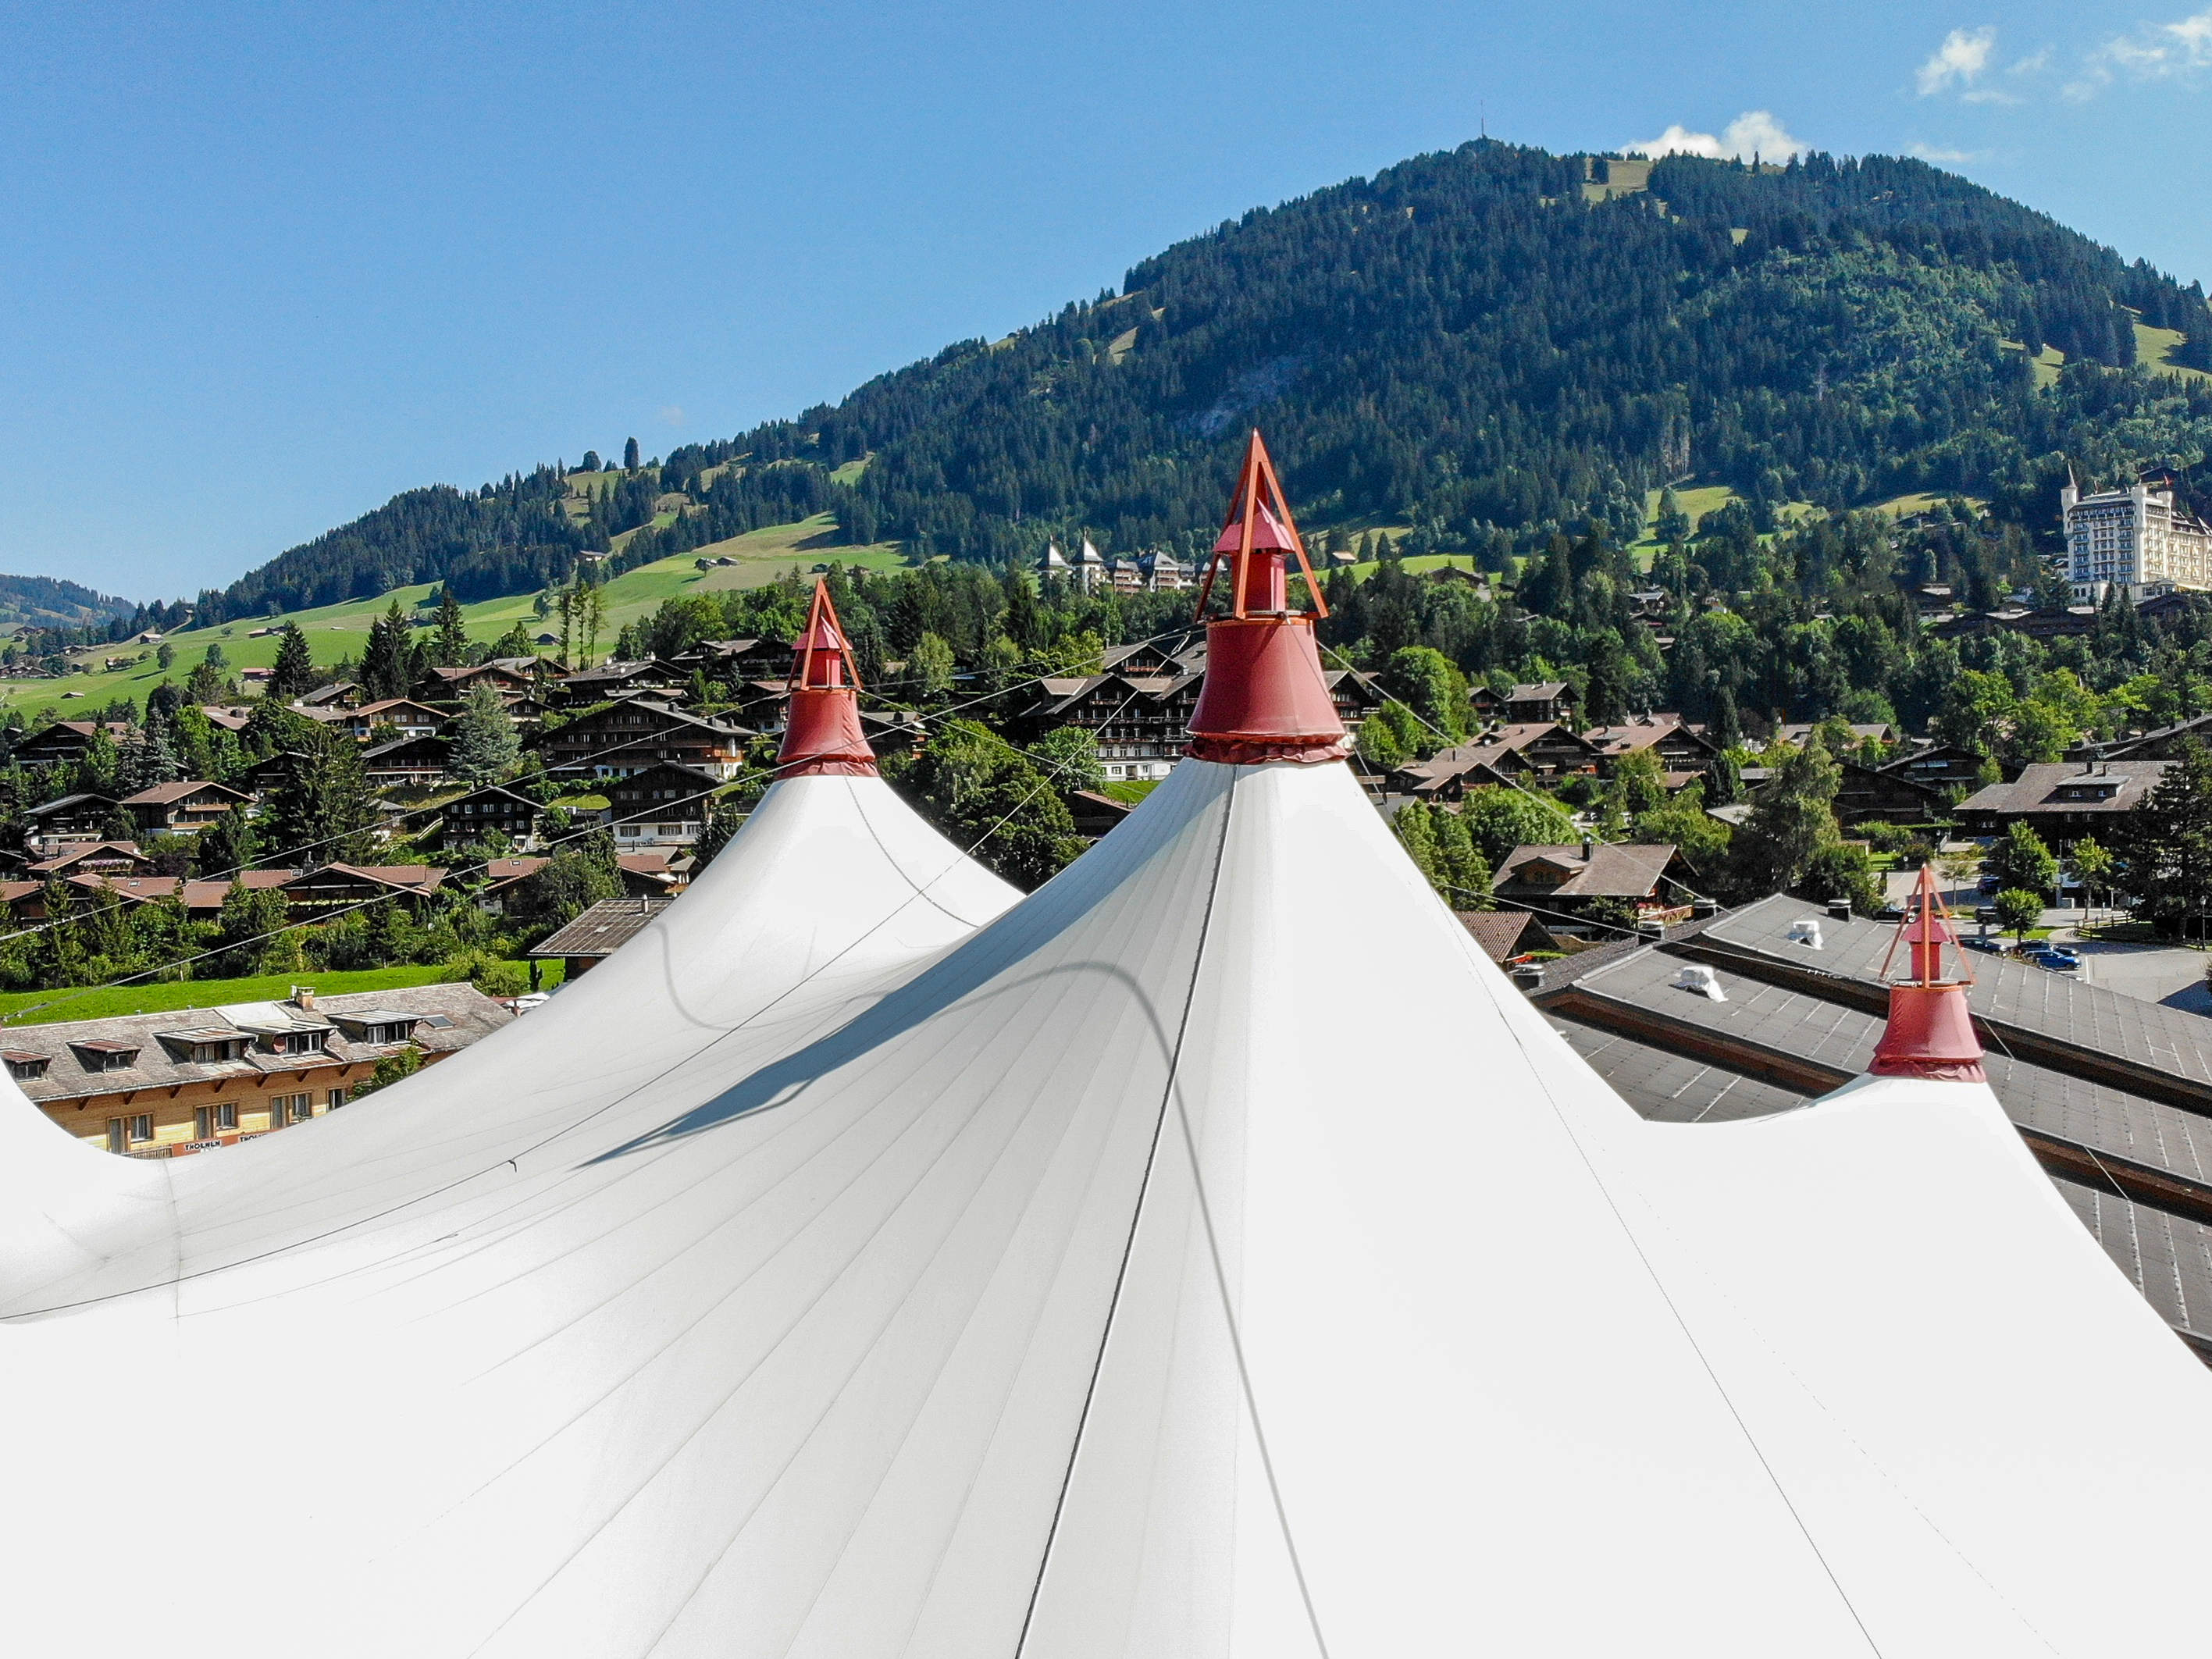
<point x="1925" y="907"/>
<point x="802" y="661"/>
<point x="1257" y="474"/>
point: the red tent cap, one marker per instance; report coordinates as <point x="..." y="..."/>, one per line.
<point x="821" y="732"/>
<point x="1267" y="534"/>
<point x="1265" y="697"/>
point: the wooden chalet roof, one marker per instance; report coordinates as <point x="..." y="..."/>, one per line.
<point x="603" y="929"/>
<point x="164" y="795"/>
<point x="2069" y="786"/>
<point x="1628" y="870"/>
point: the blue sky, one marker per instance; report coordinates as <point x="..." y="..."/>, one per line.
<point x="266" y="264"/>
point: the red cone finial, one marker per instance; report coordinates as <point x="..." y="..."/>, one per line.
<point x="1264" y="697"/>
<point x="822" y="735"/>
<point x="1931" y="1031"/>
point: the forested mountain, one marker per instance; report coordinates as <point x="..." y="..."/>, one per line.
<point x="47" y="602"/>
<point x="1464" y="344"/>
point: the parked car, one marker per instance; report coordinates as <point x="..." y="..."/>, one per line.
<point x="1996" y="947"/>
<point x="2052" y="956"/>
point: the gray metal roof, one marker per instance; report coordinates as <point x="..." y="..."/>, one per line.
<point x="1671" y="1089"/>
<point x="2168" y="1257"/>
<point x="603" y="929"/>
<point x="2098" y="1021"/>
<point x="1792" y="1023"/>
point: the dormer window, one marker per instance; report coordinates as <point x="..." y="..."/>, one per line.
<point x="103" y="1056"/>
<point x="311" y="1042"/>
<point x="24" y="1065"/>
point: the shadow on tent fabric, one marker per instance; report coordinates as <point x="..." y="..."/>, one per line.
<point x="992" y="958"/>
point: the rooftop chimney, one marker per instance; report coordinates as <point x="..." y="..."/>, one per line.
<point x="1931" y="1031"/>
<point x="1264" y="698"/>
<point x="822" y="734"/>
<point x="1589" y="842"/>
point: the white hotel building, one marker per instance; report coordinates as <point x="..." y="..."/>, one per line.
<point x="2137" y="539"/>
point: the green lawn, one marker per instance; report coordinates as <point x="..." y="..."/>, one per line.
<point x="336" y="631"/>
<point x="1130" y="791"/>
<point x="2051" y="359"/>
<point x="1900" y="507"/>
<point x="1414" y="567"/>
<point x="2155" y="345"/>
<point x="42" y="1008"/>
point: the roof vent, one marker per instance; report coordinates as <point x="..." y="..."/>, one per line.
<point x="1805" y="931"/>
<point x="822" y="734"/>
<point x="1930" y="1030"/>
<point x="1264" y="698"/>
<point x="1702" y="980"/>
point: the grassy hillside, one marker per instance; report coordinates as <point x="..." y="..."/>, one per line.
<point x="111" y="1002"/>
<point x="338" y="631"/>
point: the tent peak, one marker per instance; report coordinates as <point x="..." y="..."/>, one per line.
<point x="822" y="733"/>
<point x="1930" y="1030"/>
<point x="1264" y="697"/>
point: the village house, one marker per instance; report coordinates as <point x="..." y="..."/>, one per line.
<point x="1868" y="794"/>
<point x="636" y="733"/>
<point x="340" y="886"/>
<point x="491" y="809"/>
<point x="164" y="1085"/>
<point x="2063" y="801"/>
<point x="1449" y="774"/>
<point x="645" y="873"/>
<point x="337" y="693"/>
<point x="183" y="808"/>
<point x="1563" y="883"/>
<point x="738" y="659"/>
<point x="92" y="858"/>
<point x="417" y="762"/>
<point x="2159" y="742"/>
<point x="1140" y="720"/>
<point x="1682" y="752"/>
<point x="81" y="816"/>
<point x="1550" y="702"/>
<point x="26" y="901"/>
<point x="65" y="740"/>
<point x="621" y="679"/>
<point x="512" y="678"/>
<point x="664" y="805"/>
<point x="406" y="716"/>
<point x="1941" y="767"/>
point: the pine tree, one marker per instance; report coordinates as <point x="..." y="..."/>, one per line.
<point x="294" y="672"/>
<point x="227" y="846"/>
<point x="450" y="647"/>
<point x="387" y="661"/>
<point x="322" y="809"/>
<point x="629" y="455"/>
<point x="486" y="747"/>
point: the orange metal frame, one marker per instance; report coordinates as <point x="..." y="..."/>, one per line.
<point x="1258" y="473"/>
<point x="802" y="661"/>
<point x="1926" y="906"/>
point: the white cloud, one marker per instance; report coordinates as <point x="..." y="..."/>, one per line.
<point x="1959" y="61"/>
<point x="1754" y="132"/>
<point x="673" y="414"/>
<point x="1937" y="153"/>
<point x="2161" y="52"/>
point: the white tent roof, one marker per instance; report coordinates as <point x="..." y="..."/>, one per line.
<point x="834" y="889"/>
<point x="1099" y="1284"/>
